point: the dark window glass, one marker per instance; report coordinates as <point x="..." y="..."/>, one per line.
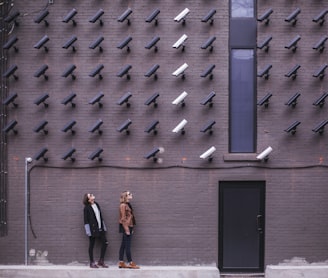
<point x="242" y="101"/>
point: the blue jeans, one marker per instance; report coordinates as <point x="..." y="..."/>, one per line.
<point x="126" y="246"/>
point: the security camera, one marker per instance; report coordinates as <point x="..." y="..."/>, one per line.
<point x="125" y="43"/>
<point x="152" y="99"/>
<point x="180" y="127"/>
<point x="125" y="99"/>
<point x="70" y="16"/>
<point x="97" y="99"/>
<point x="153" y="153"/>
<point x="11" y="99"/>
<point x="96" y="154"/>
<point x="42" y="42"/>
<point x="125" y="126"/>
<point x="320" y="45"/>
<point x="69" y="154"/>
<point x="320" y="72"/>
<point x="96" y="43"/>
<point x="208" y="154"/>
<point x="124" y="71"/>
<point x="70" y="42"/>
<point x="97" y="16"/>
<point x="41" y="71"/>
<point x="96" y="71"/>
<point x="153" y="43"/>
<point x="293" y="43"/>
<point x="69" y="99"/>
<point x="265" y="16"/>
<point x="293" y="16"/>
<point x="11" y="43"/>
<point x="265" y="44"/>
<point x="293" y="100"/>
<point x="69" y="71"/>
<point x="208" y="43"/>
<point x="265" y="72"/>
<point x="265" y="100"/>
<point x="69" y="126"/>
<point x="41" y="126"/>
<point x="321" y="100"/>
<point x="11" y="72"/>
<point x="12" y="17"/>
<point x="42" y="99"/>
<point x="180" y="99"/>
<point x="320" y="127"/>
<point x="96" y="127"/>
<point x="153" y="16"/>
<point x="208" y="127"/>
<point x="264" y="155"/>
<point x="125" y="16"/>
<point x="181" y="16"/>
<point x="293" y="72"/>
<point x="292" y="128"/>
<point x="208" y="71"/>
<point x="41" y="154"/>
<point x="11" y="126"/>
<point x="209" y="99"/>
<point x="180" y="70"/>
<point x="152" y="127"/>
<point x="152" y="71"/>
<point x="180" y="42"/>
<point x="41" y="17"/>
<point x="209" y="16"/>
<point x="320" y="18"/>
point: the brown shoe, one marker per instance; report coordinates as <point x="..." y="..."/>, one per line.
<point x="102" y="264"/>
<point x="122" y="265"/>
<point x="133" y="265"/>
<point x="93" y="265"/>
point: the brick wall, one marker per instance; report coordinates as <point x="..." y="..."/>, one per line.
<point x="176" y="201"/>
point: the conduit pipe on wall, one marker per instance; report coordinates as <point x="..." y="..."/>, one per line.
<point x="4" y="10"/>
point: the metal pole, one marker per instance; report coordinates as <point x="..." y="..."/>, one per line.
<point x="27" y="161"/>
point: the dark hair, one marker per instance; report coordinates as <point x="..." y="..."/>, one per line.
<point x="85" y="199"/>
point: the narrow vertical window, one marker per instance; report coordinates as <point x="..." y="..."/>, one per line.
<point x="242" y="101"/>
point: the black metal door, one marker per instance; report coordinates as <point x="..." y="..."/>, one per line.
<point x="241" y="226"/>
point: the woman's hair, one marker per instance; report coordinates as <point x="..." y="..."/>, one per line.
<point x="85" y="199"/>
<point x="124" y="197"/>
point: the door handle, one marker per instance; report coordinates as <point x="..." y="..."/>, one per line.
<point x="259" y="222"/>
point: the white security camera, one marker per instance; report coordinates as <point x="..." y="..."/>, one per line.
<point x="180" y="41"/>
<point x="180" y="126"/>
<point x="207" y="154"/>
<point x="264" y="154"/>
<point x="182" y="15"/>
<point x="180" y="70"/>
<point x="180" y="98"/>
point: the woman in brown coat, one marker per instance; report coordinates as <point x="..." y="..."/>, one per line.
<point x="126" y="222"/>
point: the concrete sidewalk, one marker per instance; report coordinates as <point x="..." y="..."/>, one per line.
<point x="62" y="271"/>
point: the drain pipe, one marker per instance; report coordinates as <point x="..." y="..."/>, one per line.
<point x="28" y="160"/>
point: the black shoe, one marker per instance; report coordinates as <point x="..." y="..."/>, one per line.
<point x="102" y="264"/>
<point x="93" y="265"/>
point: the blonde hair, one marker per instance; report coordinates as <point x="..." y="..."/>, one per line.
<point x="124" y="197"/>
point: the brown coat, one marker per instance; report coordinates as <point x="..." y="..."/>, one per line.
<point x="126" y="217"/>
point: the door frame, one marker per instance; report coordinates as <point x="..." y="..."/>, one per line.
<point x="242" y="184"/>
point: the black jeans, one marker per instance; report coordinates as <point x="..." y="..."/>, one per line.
<point x="126" y="246"/>
<point x="104" y="243"/>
